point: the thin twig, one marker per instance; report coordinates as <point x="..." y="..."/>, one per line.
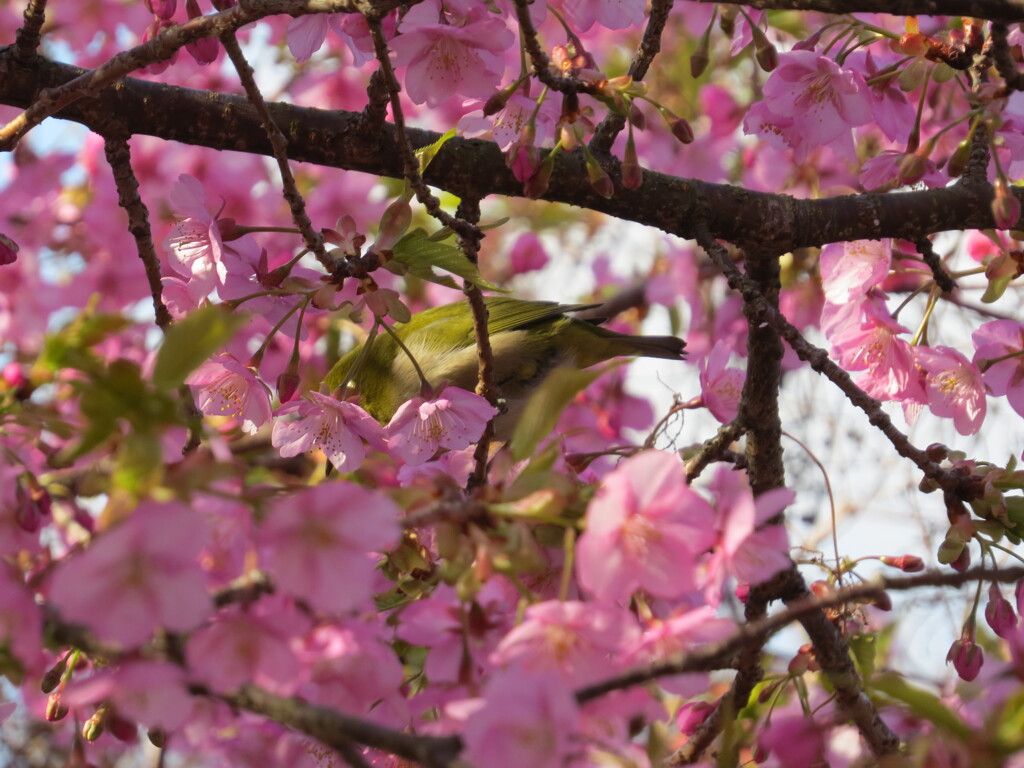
<point x="313" y="240"/>
<point x="931" y="258"/>
<point x="650" y="46"/>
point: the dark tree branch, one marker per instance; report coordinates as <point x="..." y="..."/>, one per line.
<point x="476" y="168"/>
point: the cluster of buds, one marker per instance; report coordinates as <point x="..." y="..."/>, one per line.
<point x="958" y="53"/>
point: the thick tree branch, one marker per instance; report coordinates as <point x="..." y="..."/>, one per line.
<point x="475" y="168"/>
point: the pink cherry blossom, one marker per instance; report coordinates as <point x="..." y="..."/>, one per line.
<point x="849" y="270"/>
<point x="21" y="620"/>
<point x="454" y="419"/>
<point x="1002" y="339"/>
<point x="611" y="14"/>
<point x="228" y="388"/>
<point x="341" y="429"/>
<point x="575" y="641"/>
<point x="874" y="346"/>
<point x="523" y="719"/>
<point x="459" y="634"/>
<point x="307" y="33"/>
<point x="319" y="543"/>
<point x="150" y="563"/>
<point x="954" y="387"/>
<point x="794" y="740"/>
<point x="251" y="646"/>
<point x="748" y="549"/>
<point x="721" y="387"/>
<point x="352" y="668"/>
<point x="810" y="101"/>
<point x="527" y="253"/>
<point x="151" y="693"/>
<point x="445" y="59"/>
<point x="645" y="530"/>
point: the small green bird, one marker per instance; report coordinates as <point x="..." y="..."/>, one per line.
<point x="528" y="338"/>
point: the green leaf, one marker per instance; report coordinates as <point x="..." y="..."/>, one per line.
<point x="545" y="406"/>
<point x="922" y="703"/>
<point x="864" y="648"/>
<point x="429" y="152"/>
<point x="190" y="342"/>
<point x="421" y="255"/>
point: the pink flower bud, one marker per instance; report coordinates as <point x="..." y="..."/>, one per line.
<point x="599" y="179"/>
<point x="691" y="715"/>
<point x="632" y="173"/>
<point x="999" y="613"/>
<point x="1005" y="206"/>
<point x="8" y="250"/>
<point x="539" y="181"/>
<point x="681" y="130"/>
<point x="162" y="9"/>
<point x="967" y="658"/>
<point x="55" y="710"/>
<point x="287" y="385"/>
<point x="906" y="563"/>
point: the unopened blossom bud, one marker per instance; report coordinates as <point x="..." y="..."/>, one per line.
<point x="958" y="160"/>
<point x="963" y="562"/>
<point x="539" y="181"/>
<point x="727" y="19"/>
<point x="53" y="676"/>
<point x="497" y="100"/>
<point x="913" y="44"/>
<point x="204" y="50"/>
<point x="912" y="168"/>
<point x="1005" y="205"/>
<point x="599" y="178"/>
<point x="680" y="128"/>
<point x="906" y="563"/>
<point x="967" y="656"/>
<point x="55" y="709"/>
<point x="766" y="54"/>
<point x="632" y="173"/>
<point x="162" y="9"/>
<point x="93" y="728"/>
<point x="121" y="728"/>
<point x="636" y="116"/>
<point x="157" y="738"/>
<point x="999" y="613"/>
<point x="691" y="715"/>
<point x="223" y="5"/>
<point x="936" y="452"/>
<point x="287" y="385"/>
<point x="8" y="250"/>
<point x="742" y="592"/>
<point x="822" y="589"/>
<point x="882" y="601"/>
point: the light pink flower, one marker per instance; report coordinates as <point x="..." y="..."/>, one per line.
<point x="574" y="641"/>
<point x="251" y="646"/>
<point x="874" y="346"/>
<point x="849" y="270"/>
<point x="320" y="543"/>
<point x="228" y="388"/>
<point x="151" y="693"/>
<point x="1002" y="339"/>
<point x="794" y="740"/>
<point x="645" y="530"/>
<point x="307" y="33"/>
<point x="137" y="577"/>
<point x="747" y="549"/>
<point x="954" y="387"/>
<point x="459" y="56"/>
<point x="454" y="419"/>
<point x="353" y="669"/>
<point x="341" y="429"/>
<point x="810" y="101"/>
<point x="721" y="387"/>
<point x="523" y="720"/>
